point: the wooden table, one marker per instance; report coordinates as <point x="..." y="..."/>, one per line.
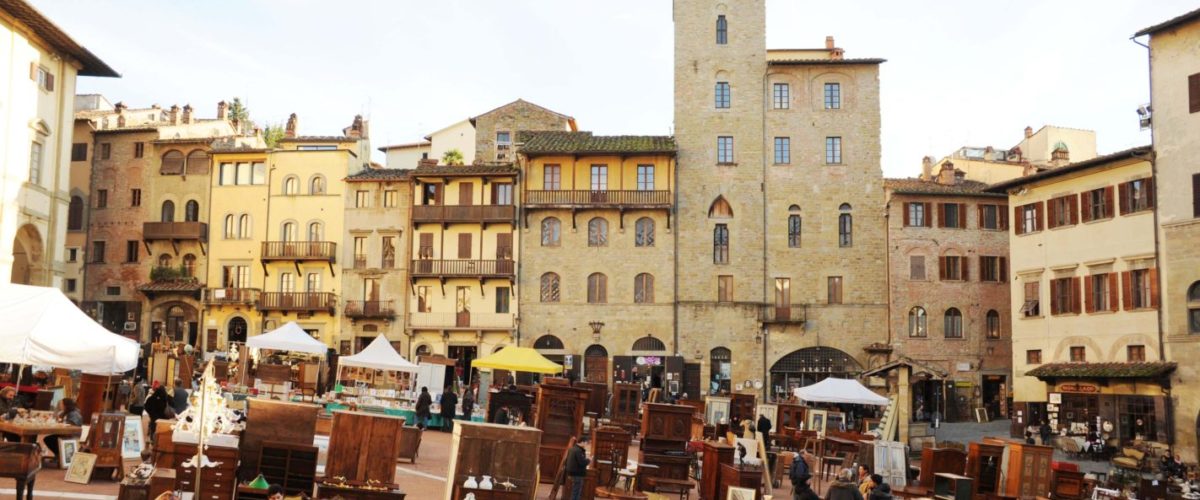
<point x="29" y="432"/>
<point x="618" y="493"/>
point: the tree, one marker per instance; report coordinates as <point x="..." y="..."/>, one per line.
<point x="452" y="157"/>
<point x="272" y="134"/>
<point x="239" y="112"/>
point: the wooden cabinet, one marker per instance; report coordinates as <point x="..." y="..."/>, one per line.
<point x="597" y="398"/>
<point x="666" y="427"/>
<point x="662" y="465"/>
<point x="515" y="401"/>
<point x="947" y="486"/>
<point x="276" y="421"/>
<point x="96" y="394"/>
<point x="791" y="416"/>
<point x="716" y="453"/>
<point x="1068" y="485"/>
<point x="330" y="491"/>
<point x="741" y="408"/>
<point x="291" y="465"/>
<point x="410" y="443"/>
<point x="216" y="483"/>
<point x="937" y="460"/>
<point x="609" y="444"/>
<point x="626" y="403"/>
<point x="744" y="476"/>
<point x="501" y="451"/>
<point x="984" y="461"/>
<point x="363" y="447"/>
<point x="560" y="417"/>
<point x="460" y="492"/>
<point x="1028" y="474"/>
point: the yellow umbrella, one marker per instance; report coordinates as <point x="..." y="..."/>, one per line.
<point x="518" y="359"/>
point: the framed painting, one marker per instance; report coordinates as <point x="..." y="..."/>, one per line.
<point x="66" y="451"/>
<point x="816" y="420"/>
<point x="134" y="440"/>
<point x="82" y="465"/>
<point x="716" y="409"/>
<point x="739" y="493"/>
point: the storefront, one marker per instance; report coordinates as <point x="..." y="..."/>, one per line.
<point x="1122" y="402"/>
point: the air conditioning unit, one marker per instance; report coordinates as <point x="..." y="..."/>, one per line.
<point x="130" y="326"/>
<point x="219" y="294"/>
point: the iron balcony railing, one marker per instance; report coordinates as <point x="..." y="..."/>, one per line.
<point x="154" y="231"/>
<point x="298" y="302"/>
<point x="369" y="309"/>
<point x="462" y="268"/>
<point x="586" y="198"/>
<point x="299" y="250"/>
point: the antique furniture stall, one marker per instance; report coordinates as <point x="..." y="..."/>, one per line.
<point x="716" y="453"/>
<point x="161" y="481"/>
<point x="938" y="460"/>
<point x="503" y="452"/>
<point x="626" y="402"/>
<point x="513" y="400"/>
<point x="666" y="430"/>
<point x="105" y="438"/>
<point x="276" y="421"/>
<point x="741" y="408"/>
<point x="334" y="490"/>
<point x="984" y="461"/>
<point x="886" y="458"/>
<point x="597" y="398"/>
<point x="1028" y="471"/>
<point x="410" y="444"/>
<point x="1069" y="485"/>
<point x="947" y="486"/>
<point x="791" y="416"/>
<point x="96" y="394"/>
<point x="21" y="461"/>
<point x="745" y="476"/>
<point x="29" y="432"/>
<point x="560" y="417"/>
<point x="363" y="447"/>
<point x="292" y="465"/>
<point x="610" y="444"/>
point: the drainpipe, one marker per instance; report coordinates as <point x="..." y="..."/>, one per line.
<point x="762" y="187"/>
<point x="674" y="212"/>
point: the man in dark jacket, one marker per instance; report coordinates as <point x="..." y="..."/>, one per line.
<point x="576" y="467"/>
<point x="881" y="491"/>
<point x="156" y="406"/>
<point x="449" y="404"/>
<point x="179" y="397"/>
<point x="1044" y="432"/>
<point x="424" y="403"/>
<point x="468" y="404"/>
<point x="764" y="429"/>
<point x="799" y="474"/>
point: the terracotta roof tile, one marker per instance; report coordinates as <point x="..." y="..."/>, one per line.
<point x="461" y="170"/>
<point x="1170" y="23"/>
<point x="1139" y="152"/>
<point x="1147" y="369"/>
<point x="824" y="62"/>
<point x="47" y="30"/>
<point x="541" y="143"/>
<point x="318" y="138"/>
<point x="918" y="186"/>
<point x="380" y="174"/>
<point x="180" y="285"/>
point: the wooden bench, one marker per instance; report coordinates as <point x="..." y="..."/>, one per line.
<point x="664" y="485"/>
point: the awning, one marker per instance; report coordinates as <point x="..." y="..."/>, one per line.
<point x="380" y="355"/>
<point x="43" y="327"/>
<point x="1147" y="370"/>
<point x="289" y="337"/>
<point x="518" y="359"/>
<point x="839" y="391"/>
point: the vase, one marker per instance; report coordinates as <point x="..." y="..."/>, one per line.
<point x="486" y="484"/>
<point x="470" y="483"/>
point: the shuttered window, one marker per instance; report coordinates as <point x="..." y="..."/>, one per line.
<point x="1194" y="93"/>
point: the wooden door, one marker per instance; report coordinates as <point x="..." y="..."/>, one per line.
<point x="783" y="298"/>
<point x="466" y="193"/>
<point x="425" y="254"/>
<point x="462" y="316"/>
<point x="464" y="245"/>
<point x="691" y="381"/>
<point x="595" y="369"/>
<point x="504" y="246"/>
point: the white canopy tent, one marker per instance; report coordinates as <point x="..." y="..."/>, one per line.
<point x="43" y="327"/>
<point x="289" y="337"/>
<point x="839" y="390"/>
<point x="380" y="355"/>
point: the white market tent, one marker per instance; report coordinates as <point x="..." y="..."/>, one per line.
<point x="289" y="337"/>
<point x="43" y="327"/>
<point x="379" y="355"/>
<point x="839" y="390"/>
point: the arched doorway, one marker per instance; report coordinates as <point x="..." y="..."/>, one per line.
<point x="177" y="321"/>
<point x="811" y="365"/>
<point x="237" y="330"/>
<point x="27" y="257"/>
<point x="552" y="348"/>
<point x="595" y="364"/>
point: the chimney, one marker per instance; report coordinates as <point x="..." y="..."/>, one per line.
<point x="187" y="113"/>
<point x="290" y="129"/>
<point x="946" y="176"/>
<point x="927" y="168"/>
<point x="222" y="110"/>
<point x="355" y="130"/>
<point x="1029" y="170"/>
<point x="427" y="162"/>
<point x="1028" y="132"/>
<point x="829" y="43"/>
<point x="173" y="115"/>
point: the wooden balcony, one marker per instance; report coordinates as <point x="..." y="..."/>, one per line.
<point x="597" y="199"/>
<point x="444" y="320"/>
<point x="429" y="268"/>
<point x="303" y="302"/>
<point x="794" y="315"/>
<point x="369" y="309"/>
<point x="299" y="250"/>
<point x="472" y="214"/>
<point x="175" y="231"/>
<point x="231" y="296"/>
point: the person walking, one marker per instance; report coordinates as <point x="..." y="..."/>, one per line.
<point x="424" y="403"/>
<point x="468" y="404"/>
<point x="449" y="405"/>
<point x="799" y="475"/>
<point x="764" y="429"/>
<point x="179" y="397"/>
<point x="156" y="406"/>
<point x="576" y="467"/>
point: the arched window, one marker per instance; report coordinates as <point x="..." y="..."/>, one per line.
<point x="548" y="343"/>
<point x="422" y="350"/>
<point x="172" y="163"/>
<point x="291" y="185"/>
<point x="649" y="343"/>
<point x="794" y="230"/>
<point x="596" y="350"/>
<point x="952" y="324"/>
<point x="236" y="331"/>
<point x="288" y="231"/>
<point x="720" y="209"/>
<point x="720" y="363"/>
<point x="551" y="232"/>
<point x="549" y="287"/>
<point x="314" y="231"/>
<point x="918" y="322"/>
<point x="164" y="260"/>
<point x="1193" y="306"/>
<point x="191" y="211"/>
<point x="993" y="324"/>
<point x="168" y="211"/>
<point x="75" y="214"/>
<point x="316" y="185"/>
<point x="644" y="232"/>
<point x="722" y="30"/>
<point x="245" y="229"/>
<point x="845" y="226"/>
<point x="230" y="228"/>
<point x="197" y="163"/>
<point x="643" y="288"/>
<point x="597" y="284"/>
<point x="189" y="265"/>
<point x="598" y="232"/>
<point x="721" y="244"/>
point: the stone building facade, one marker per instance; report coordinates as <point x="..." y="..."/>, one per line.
<point x="780" y="243"/>
<point x="496" y="131"/>
<point x="948" y="288"/>
<point x="374" y="250"/>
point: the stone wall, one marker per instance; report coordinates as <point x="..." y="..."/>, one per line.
<point x="513" y="117"/>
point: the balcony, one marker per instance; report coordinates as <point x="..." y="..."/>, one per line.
<point x="461" y="320"/>
<point x="175" y="231"/>
<point x="794" y="315"/>
<point x="301" y="302"/>
<point x="299" y="250"/>
<point x="369" y="309"/>
<point x="597" y="199"/>
<point x="231" y="296"/>
<point x="474" y="214"/>
<point x="429" y="268"/>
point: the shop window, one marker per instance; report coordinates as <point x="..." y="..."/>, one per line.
<point x="1078" y="354"/>
<point x="721" y="366"/>
<point x="1033" y="357"/>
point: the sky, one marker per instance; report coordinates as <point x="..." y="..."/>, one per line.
<point x="958" y="73"/>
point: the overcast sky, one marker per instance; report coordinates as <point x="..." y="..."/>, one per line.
<point x="957" y="73"/>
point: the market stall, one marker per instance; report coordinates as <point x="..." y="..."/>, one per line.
<point x="369" y="390"/>
<point x="515" y="359"/>
<point x="278" y="378"/>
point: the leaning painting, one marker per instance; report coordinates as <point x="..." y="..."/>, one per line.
<point x="133" y="442"/>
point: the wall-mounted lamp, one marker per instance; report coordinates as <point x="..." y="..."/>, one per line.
<point x="596" y="326"/>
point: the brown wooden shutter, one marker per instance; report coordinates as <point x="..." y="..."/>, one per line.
<point x="942" y="268"/>
<point x="1018" y="226"/>
<point x="1194" y="93"/>
<point x="1149" y="192"/>
<point x="1113" y="296"/>
<point x="464" y="245"/>
<point x="50" y="82"/>
<point x="1196" y="195"/>
<point x="906" y="212"/>
<point x="504" y="246"/>
<point x="1040" y="212"/>
<point x="927" y="215"/>
<point x="1153" y="278"/>
<point x="1088" y="304"/>
<point x="1074" y="201"/>
<point x="1123" y="192"/>
<point x="1002" y="214"/>
<point x="1085" y="202"/>
<point x="1126" y="292"/>
<point x="1052" y="214"/>
<point x="964" y="266"/>
<point x="466" y="193"/>
<point x="1054" y="305"/>
<point x="1108" y="201"/>
<point x="941" y="207"/>
<point x="426" y="251"/>
<point x="1075" y="295"/>
<point x="962" y="215"/>
<point x="979" y="216"/>
<point x="1003" y="269"/>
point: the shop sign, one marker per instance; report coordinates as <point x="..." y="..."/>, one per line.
<point x="1079" y="388"/>
<point x="649" y="360"/>
<point x="963" y="384"/>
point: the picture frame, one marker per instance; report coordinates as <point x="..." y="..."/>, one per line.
<point x="673" y="387"/>
<point x="981" y="415"/>
<point x="66" y="451"/>
<point x="134" y="439"/>
<point x="739" y="493"/>
<point x="816" y="420"/>
<point x="835" y="421"/>
<point x="716" y="409"/>
<point x="82" y="465"/>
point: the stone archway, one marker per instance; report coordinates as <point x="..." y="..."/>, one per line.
<point x="27" y="266"/>
<point x="810" y="365"/>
